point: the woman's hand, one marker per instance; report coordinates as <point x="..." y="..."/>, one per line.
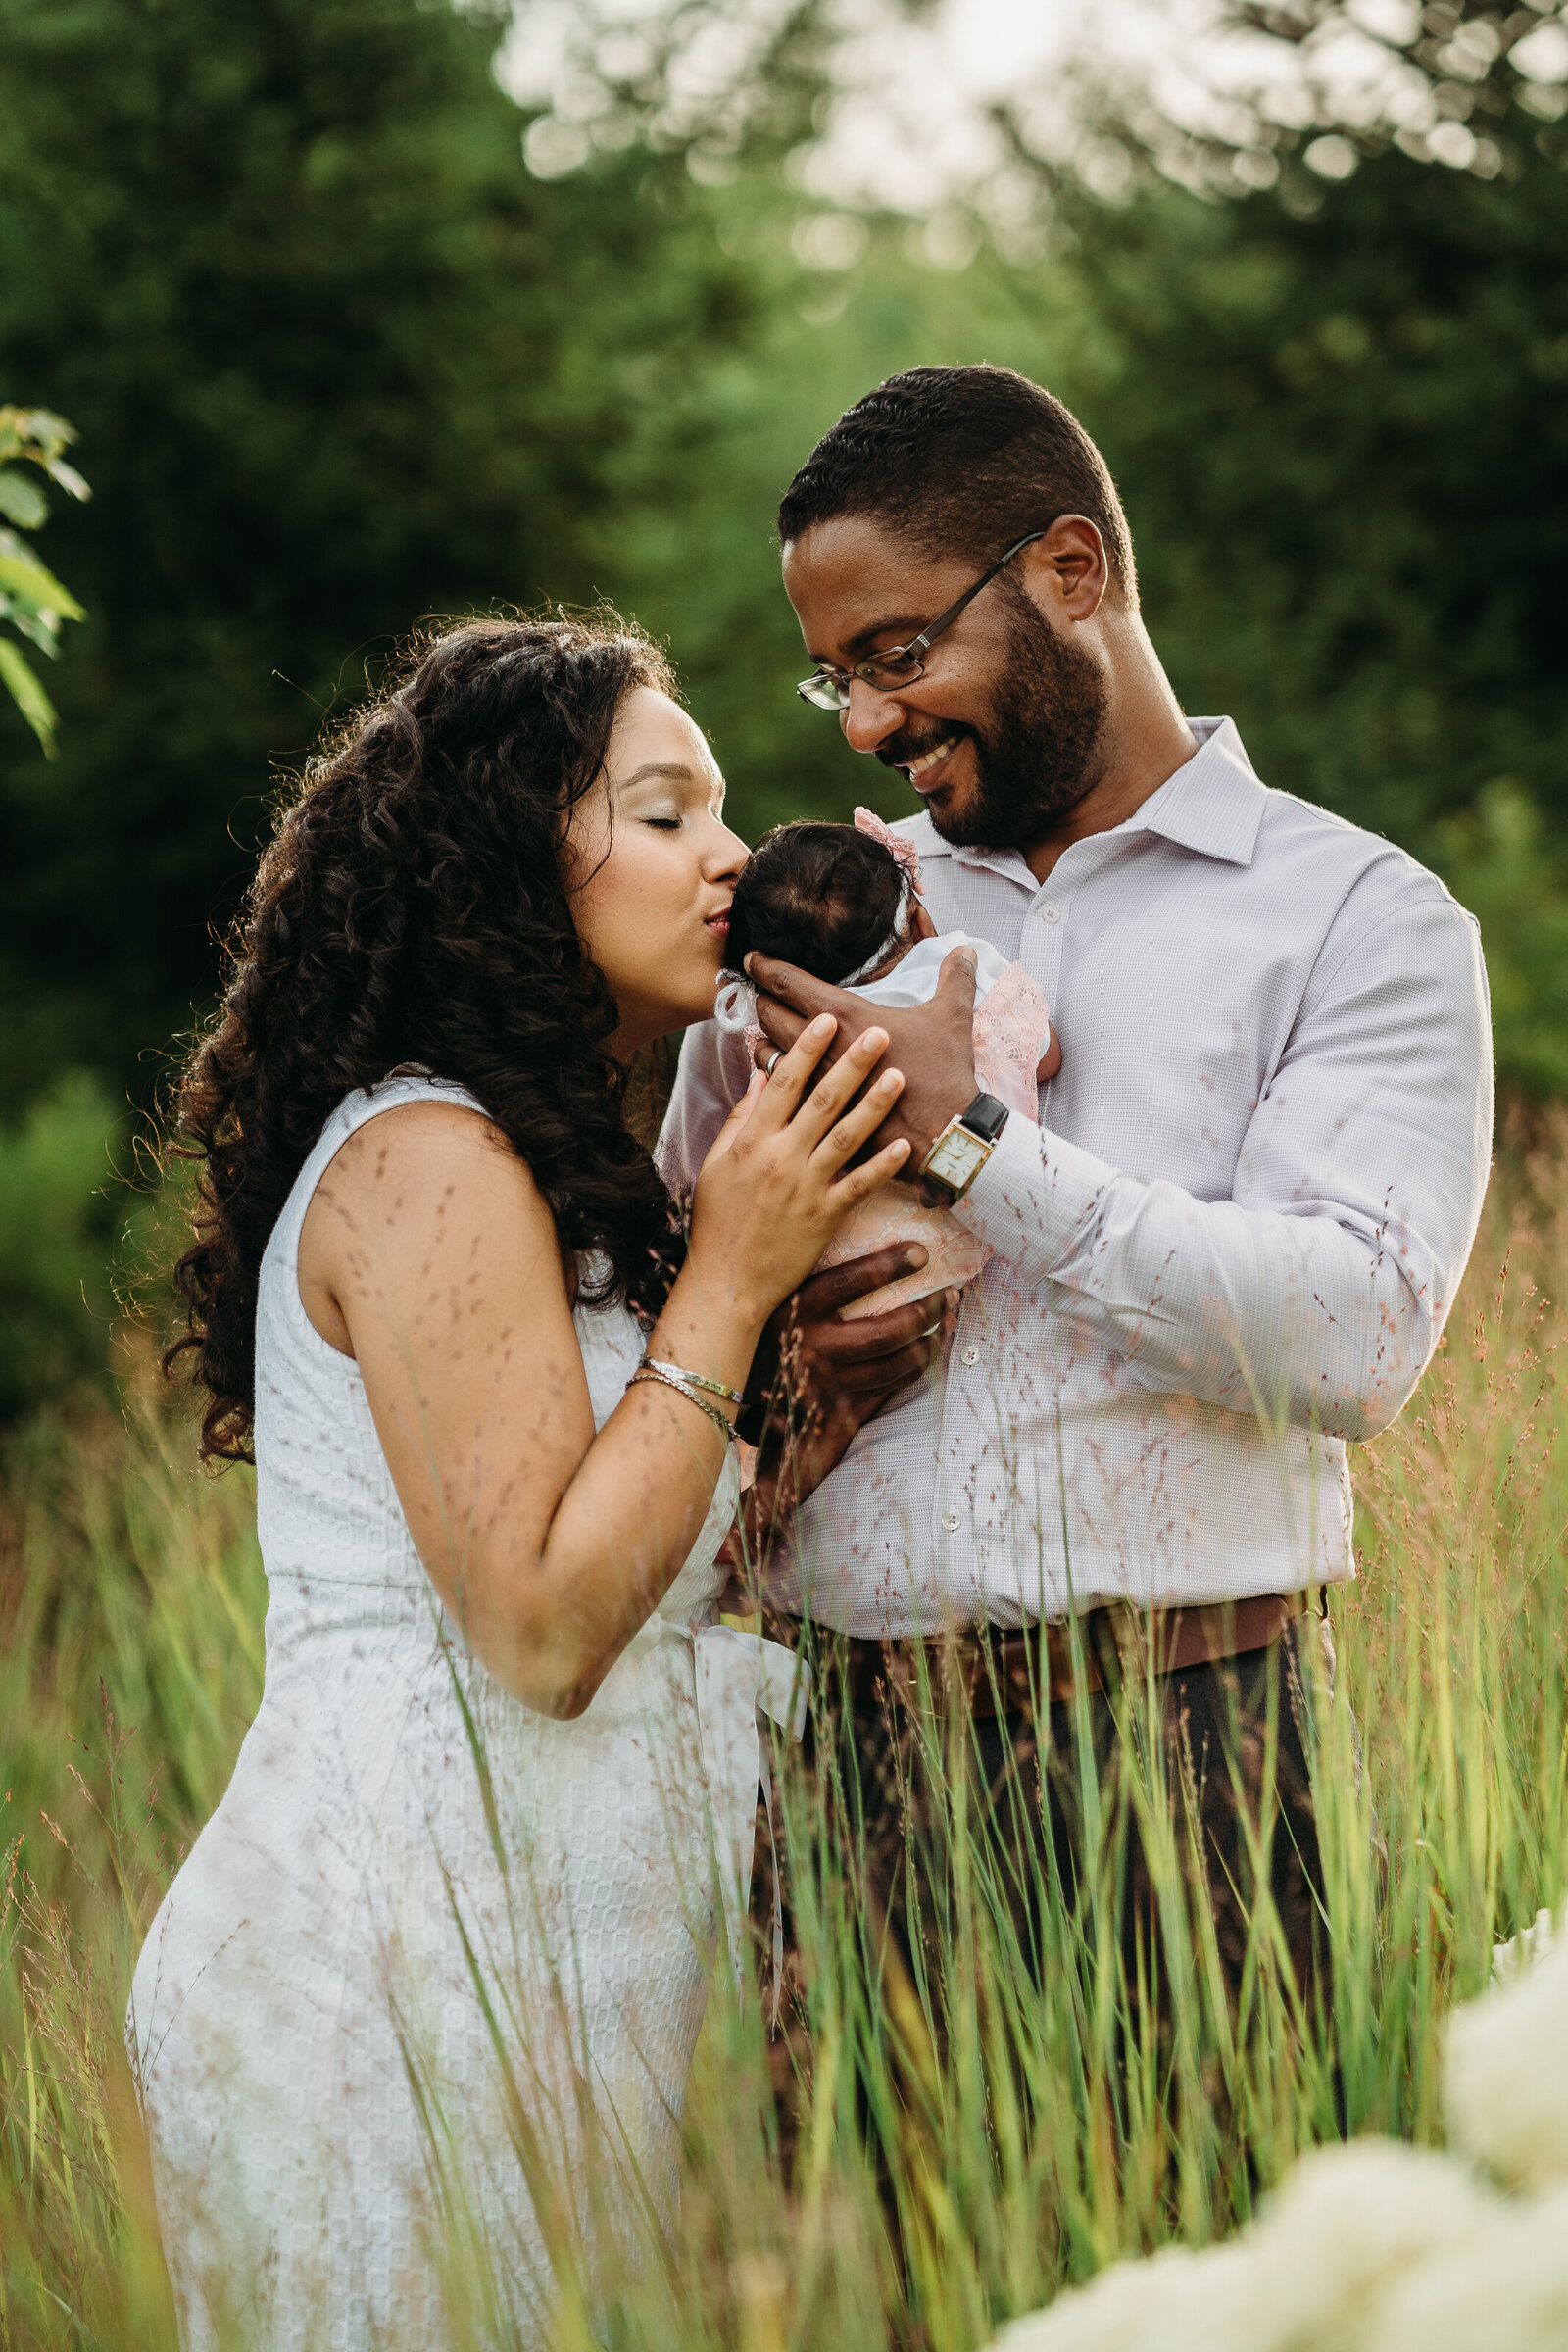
<point x="777" y="1183"/>
<point x="933" y="1044"/>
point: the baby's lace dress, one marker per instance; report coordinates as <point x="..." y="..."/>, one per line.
<point x="437" y="1963"/>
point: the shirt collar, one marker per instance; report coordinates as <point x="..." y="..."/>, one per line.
<point x="1215" y="802"/>
<point x="1212" y="805"/>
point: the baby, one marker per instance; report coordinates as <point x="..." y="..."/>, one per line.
<point x="845" y="903"/>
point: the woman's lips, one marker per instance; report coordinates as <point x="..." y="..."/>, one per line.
<point x="719" y="925"/>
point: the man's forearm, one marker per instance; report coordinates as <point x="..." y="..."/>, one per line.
<point x="1314" y="1318"/>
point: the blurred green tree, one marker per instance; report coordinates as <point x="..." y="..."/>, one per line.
<point x="341" y="360"/>
<point x="1326" y="348"/>
<point x="1336" y="399"/>
<point x="1344" y="442"/>
<point x="57" y="1218"/>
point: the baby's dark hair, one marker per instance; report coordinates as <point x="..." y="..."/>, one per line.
<point x="822" y="897"/>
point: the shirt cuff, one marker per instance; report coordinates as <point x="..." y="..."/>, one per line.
<point x="1034" y="1197"/>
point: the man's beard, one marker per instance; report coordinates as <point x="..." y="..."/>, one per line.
<point x="1035" y="759"/>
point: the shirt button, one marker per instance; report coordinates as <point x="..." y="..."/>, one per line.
<point x="970" y="1355"/>
<point x="952" y="1522"/>
<point x="1051" y="913"/>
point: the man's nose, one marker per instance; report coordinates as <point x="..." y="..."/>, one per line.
<point x="871" y="717"/>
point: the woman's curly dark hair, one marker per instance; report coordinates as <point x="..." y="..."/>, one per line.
<point x="412" y="909"/>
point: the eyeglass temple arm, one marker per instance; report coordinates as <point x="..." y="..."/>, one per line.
<point x="944" y="620"/>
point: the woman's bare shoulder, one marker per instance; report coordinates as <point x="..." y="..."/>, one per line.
<point x="422" y="1192"/>
<point x="430" y="1141"/>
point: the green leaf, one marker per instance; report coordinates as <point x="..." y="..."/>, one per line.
<point x="67" y="477"/>
<point x="28" y="695"/>
<point x="40" y="629"/>
<point x="22" y="501"/>
<point x="22" y="573"/>
<point x="45" y="433"/>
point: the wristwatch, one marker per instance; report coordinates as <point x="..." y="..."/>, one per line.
<point x="963" y="1147"/>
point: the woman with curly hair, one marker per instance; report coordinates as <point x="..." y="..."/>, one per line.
<point x="414" y="2022"/>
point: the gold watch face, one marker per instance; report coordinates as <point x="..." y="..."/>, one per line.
<point x="956" y="1157"/>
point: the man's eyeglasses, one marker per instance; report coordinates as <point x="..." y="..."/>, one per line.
<point x="828" y="688"/>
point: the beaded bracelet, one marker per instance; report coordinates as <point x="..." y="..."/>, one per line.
<point x="698" y="1380"/>
<point x="673" y="1380"/>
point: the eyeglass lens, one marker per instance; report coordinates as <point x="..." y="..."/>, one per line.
<point x="891" y="669"/>
<point x="831" y="691"/>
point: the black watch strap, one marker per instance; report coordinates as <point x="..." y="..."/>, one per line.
<point x="985" y="1117"/>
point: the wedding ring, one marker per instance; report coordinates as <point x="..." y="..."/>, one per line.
<point x="772" y="1060"/>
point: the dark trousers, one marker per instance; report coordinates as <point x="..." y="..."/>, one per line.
<point x="1059" y="1811"/>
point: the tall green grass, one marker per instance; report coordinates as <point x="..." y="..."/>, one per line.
<point x="967" y="2144"/>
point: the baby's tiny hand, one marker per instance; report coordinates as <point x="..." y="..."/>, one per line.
<point x="1050" y="1059"/>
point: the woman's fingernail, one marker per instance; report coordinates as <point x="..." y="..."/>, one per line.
<point x="824" y="1024"/>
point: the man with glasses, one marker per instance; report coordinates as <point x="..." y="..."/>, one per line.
<point x="1226" y="1249"/>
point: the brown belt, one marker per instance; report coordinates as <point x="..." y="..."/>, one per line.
<point x="1007" y="1672"/>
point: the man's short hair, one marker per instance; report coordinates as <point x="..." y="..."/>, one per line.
<point x="961" y="460"/>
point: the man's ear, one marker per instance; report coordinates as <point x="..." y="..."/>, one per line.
<point x="1068" y="571"/>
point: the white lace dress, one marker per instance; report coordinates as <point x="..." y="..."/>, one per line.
<point x="437" y="1964"/>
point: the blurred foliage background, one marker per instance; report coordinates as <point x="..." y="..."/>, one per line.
<point x="350" y="338"/>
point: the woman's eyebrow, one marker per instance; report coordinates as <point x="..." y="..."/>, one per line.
<point x="661" y="772"/>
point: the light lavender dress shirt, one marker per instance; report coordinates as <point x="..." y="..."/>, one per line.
<point x="1228" y="1248"/>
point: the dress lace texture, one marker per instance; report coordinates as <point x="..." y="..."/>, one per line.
<point x="436" y="1961"/>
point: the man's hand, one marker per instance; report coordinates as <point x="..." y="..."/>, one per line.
<point x="933" y="1044"/>
<point x="811" y="1365"/>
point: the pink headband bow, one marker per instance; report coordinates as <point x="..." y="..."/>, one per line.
<point x="900" y="847"/>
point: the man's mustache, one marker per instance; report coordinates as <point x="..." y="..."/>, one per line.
<point x="899" y="749"/>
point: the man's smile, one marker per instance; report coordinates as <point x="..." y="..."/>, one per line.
<point x="926" y="769"/>
<point x="924" y="773"/>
